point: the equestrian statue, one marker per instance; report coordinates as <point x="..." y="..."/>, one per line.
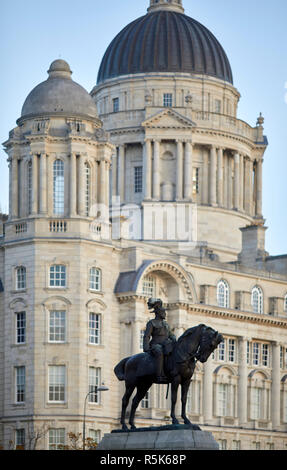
<point x="164" y="360"/>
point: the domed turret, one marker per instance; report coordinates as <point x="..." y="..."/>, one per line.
<point x="59" y="94"/>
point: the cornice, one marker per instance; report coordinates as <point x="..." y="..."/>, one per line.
<point x="212" y="311"/>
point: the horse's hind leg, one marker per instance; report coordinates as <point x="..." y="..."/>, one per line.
<point x="141" y="393"/>
<point x="125" y="402"/>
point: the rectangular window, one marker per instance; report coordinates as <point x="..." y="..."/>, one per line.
<point x="20" y="439"/>
<point x="256" y="403"/>
<point x="265" y="355"/>
<point x="20" y="384"/>
<point x="58" y="187"/>
<point x="116" y="105"/>
<point x="231" y="350"/>
<point x="221" y="351"/>
<point x="94" y="382"/>
<point x="21" y="278"/>
<point x="222" y="399"/>
<point x="94" y="328"/>
<point x="195" y="181"/>
<point x="138" y="179"/>
<point x="20" y="327"/>
<point x="95" y="436"/>
<point x="236" y="445"/>
<point x="57" y="382"/>
<point x="56" y="439"/>
<point x="255" y="354"/>
<point x="149" y="287"/>
<point x="95" y="279"/>
<point x="57" y="326"/>
<point x="167" y="100"/>
<point x="57" y="276"/>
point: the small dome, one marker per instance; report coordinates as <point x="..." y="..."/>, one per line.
<point x="165" y="41"/>
<point x="59" y="94"/>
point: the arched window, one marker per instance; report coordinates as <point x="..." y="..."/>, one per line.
<point x="257" y="300"/>
<point x="58" y="188"/>
<point x="223" y="294"/>
<point x="87" y="189"/>
<point x="95" y="279"/>
<point x="21" y="278"/>
<point x="285" y="303"/>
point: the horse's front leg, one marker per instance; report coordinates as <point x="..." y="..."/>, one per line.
<point x="174" y="389"/>
<point x="141" y="393"/>
<point x="184" y="392"/>
<point x="125" y="402"/>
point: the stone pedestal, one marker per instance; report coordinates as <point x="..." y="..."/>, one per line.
<point x="163" y="438"/>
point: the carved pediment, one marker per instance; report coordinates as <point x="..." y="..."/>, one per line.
<point x="168" y="119"/>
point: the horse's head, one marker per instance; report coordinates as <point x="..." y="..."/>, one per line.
<point x="209" y="341"/>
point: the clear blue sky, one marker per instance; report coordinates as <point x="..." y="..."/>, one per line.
<point x="252" y="32"/>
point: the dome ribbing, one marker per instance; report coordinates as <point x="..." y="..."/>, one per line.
<point x="165" y="41"/>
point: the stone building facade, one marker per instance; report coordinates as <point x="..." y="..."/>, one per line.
<point x="148" y="186"/>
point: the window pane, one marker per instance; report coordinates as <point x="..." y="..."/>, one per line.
<point x="20" y="384"/>
<point x="94" y="328"/>
<point x="58" y="276"/>
<point x="56" y="439"/>
<point x="21" y="278"/>
<point x="149" y="286"/>
<point x="57" y="383"/>
<point x="57" y="326"/>
<point x="58" y="188"/>
<point x="20" y="327"/>
<point x="95" y="279"/>
<point x="94" y="382"/>
<point x="167" y="99"/>
<point x="138" y="179"/>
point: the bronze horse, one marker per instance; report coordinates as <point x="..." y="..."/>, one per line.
<point x="139" y="372"/>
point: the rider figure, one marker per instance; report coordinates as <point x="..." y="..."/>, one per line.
<point x="162" y="339"/>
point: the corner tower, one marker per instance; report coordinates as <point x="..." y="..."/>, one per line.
<point x="165" y="93"/>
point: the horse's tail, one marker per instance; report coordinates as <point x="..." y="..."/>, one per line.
<point x="119" y="370"/>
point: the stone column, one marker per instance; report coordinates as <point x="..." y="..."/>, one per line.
<point x="14" y="175"/>
<point x="81" y="186"/>
<point x="241" y="183"/>
<point x="179" y="171"/>
<point x="236" y="181"/>
<point x="34" y="184"/>
<point x="103" y="179"/>
<point x="242" y="382"/>
<point x="43" y="184"/>
<point x="156" y="170"/>
<point x="220" y="177"/>
<point x="114" y="174"/>
<point x="73" y="184"/>
<point x="147" y="169"/>
<point x="275" y="387"/>
<point x="213" y="165"/>
<point x="230" y="184"/>
<point x="247" y="185"/>
<point x="207" y="391"/>
<point x="259" y="188"/>
<point x="121" y="175"/>
<point x="136" y="331"/>
<point x="225" y="180"/>
<point x="205" y="177"/>
<point x="188" y="171"/>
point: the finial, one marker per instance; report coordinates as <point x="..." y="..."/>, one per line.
<point x="169" y="5"/>
<point x="260" y="120"/>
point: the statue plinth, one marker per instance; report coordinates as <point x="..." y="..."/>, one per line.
<point x="171" y="438"/>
